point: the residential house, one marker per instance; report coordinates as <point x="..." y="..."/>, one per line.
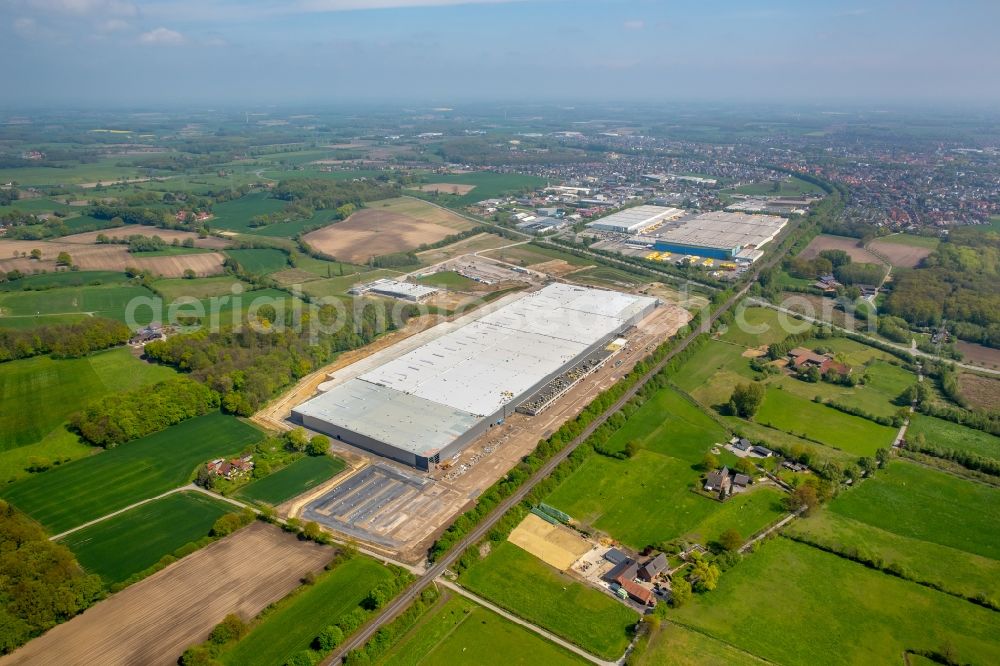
<point x="761" y="451"/>
<point x="718" y="481"/>
<point x="653" y="567"/>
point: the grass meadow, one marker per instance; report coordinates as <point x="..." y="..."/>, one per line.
<point x="800" y="416"/>
<point x="948" y="435"/>
<point x="260" y="262"/>
<point x="487" y="185"/>
<point x="922" y="503"/>
<point x="295" y="621"/>
<point x="769" y="604"/>
<point x="456" y="630"/>
<point x="235" y="216"/>
<point x="530" y="255"/>
<point x="448" y="280"/>
<point x="130" y="542"/>
<point x="674" y="436"/>
<point x="292" y="480"/>
<point x="65" y="279"/>
<point x="676" y="645"/>
<point x="526" y="586"/>
<point x="83" y="490"/>
<point x="199" y="288"/>
<point x="966" y="574"/>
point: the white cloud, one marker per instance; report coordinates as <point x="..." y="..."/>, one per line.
<point x="634" y="24"/>
<point x="113" y="25"/>
<point x="26" y="27"/>
<point x="162" y="37"/>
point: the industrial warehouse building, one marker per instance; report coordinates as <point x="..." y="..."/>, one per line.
<point x="428" y="404"/>
<point x="635" y="220"/>
<point x="719" y="235"/>
<point x="404" y="291"/>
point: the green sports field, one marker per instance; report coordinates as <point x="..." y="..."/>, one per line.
<point x="292" y="480"/>
<point x="132" y="541"/>
<point x="297" y="620"/>
<point x="80" y="491"/>
<point x="674" y="436"/>
<point x="456" y="631"/>
<point x="921" y="503"/>
<point x="797" y="415"/>
<point x="526" y="586"/>
<point x="793" y="604"/>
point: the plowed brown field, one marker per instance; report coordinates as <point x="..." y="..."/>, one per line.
<point x="104" y="258"/>
<point x="153" y="621"/>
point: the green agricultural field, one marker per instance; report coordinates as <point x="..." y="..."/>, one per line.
<point x="259" y="262"/>
<point x="818" y="453"/>
<point x="448" y="280"/>
<point x="850" y="352"/>
<point x="38" y="394"/>
<point x="83" y="490"/>
<point x="526" y="586"/>
<point x="877" y="396"/>
<point x="82" y="223"/>
<point x="130" y="542"/>
<point x="235" y="216"/>
<point x="711" y="373"/>
<point x="457" y="630"/>
<point x="793" y="604"/>
<point x="531" y="255"/>
<point x="947" y="435"/>
<point x="676" y="645"/>
<point x="925" y="504"/>
<point x="338" y="286"/>
<point x="797" y="415"/>
<point x="604" y="276"/>
<point x="22" y="323"/>
<point x="754" y="327"/>
<point x="103" y="301"/>
<point x="928" y="242"/>
<point x="292" y="480"/>
<point x="65" y="279"/>
<point x="487" y="185"/>
<point x="965" y="573"/>
<point x="297" y="620"/>
<point x="673" y="435"/>
<point x="199" y="288"/>
<point x="40" y="205"/>
<point x="106" y="171"/>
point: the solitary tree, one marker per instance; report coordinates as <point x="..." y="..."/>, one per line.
<point x="318" y="445"/>
<point x="747" y="399"/>
<point x="710" y="461"/>
<point x="680" y="591"/>
<point x="705" y="576"/>
<point x="36" y="254"/>
<point x="731" y="540"/>
<point x="804" y="497"/>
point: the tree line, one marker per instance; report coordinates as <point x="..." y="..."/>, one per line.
<point x="63" y="340"/>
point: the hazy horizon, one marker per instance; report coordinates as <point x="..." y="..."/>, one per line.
<point x="125" y="53"/>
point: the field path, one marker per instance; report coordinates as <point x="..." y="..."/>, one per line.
<point x="524" y="623"/>
<point x="189" y="486"/>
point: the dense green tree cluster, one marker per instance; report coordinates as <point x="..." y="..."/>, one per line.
<point x="122" y="417"/>
<point x="41" y="584"/>
<point x="960" y="283"/>
<point x="323" y="193"/>
<point x="63" y="340"/>
<point x="746" y="399"/>
<point x="248" y="367"/>
<point x="150" y="217"/>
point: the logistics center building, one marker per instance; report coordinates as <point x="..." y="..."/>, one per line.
<point x="719" y="235"/>
<point x="428" y="404"/>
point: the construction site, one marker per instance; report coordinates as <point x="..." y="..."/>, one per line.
<point x="397" y="507"/>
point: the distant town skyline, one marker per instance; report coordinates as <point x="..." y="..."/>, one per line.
<point x="125" y="52"/>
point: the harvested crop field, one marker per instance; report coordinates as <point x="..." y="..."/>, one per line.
<point x="169" y="235"/>
<point x="900" y="254"/>
<point x="555" y="545"/>
<point x="981" y="392"/>
<point x="396" y="225"/>
<point x="848" y="245"/>
<point x="153" y="621"/>
<point x="979" y="354"/>
<point x="446" y="188"/>
<point x="104" y="258"/>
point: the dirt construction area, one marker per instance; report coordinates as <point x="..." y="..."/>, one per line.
<point x="848" y="245"/>
<point x="387" y="227"/>
<point x="556" y="545"/>
<point x="103" y="258"/>
<point x="155" y="620"/>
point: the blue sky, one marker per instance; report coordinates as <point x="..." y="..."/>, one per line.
<point x="139" y="52"/>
